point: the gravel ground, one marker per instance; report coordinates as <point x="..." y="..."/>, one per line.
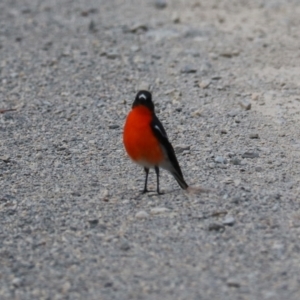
<point x="225" y="80"/>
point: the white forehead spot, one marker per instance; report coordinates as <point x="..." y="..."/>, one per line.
<point x="142" y="96"/>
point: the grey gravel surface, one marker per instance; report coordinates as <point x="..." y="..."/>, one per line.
<point x="225" y="80"/>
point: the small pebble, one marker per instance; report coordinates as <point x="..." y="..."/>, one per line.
<point x="258" y="169"/>
<point x="237" y="182"/>
<point x="125" y="246"/>
<point x="114" y="126"/>
<point x="254" y="136"/>
<point x="16" y="282"/>
<point x="159" y="210"/>
<point x="160" y="4"/>
<point x="233" y="283"/>
<point x="220" y="160"/>
<point x="108" y="284"/>
<point x="232" y="113"/>
<point x="228" y="180"/>
<point x="66" y="287"/>
<point x="211" y="165"/>
<point x="250" y="155"/>
<point x="229" y="53"/>
<point x="39" y="156"/>
<point x="112" y="54"/>
<point x="93" y="223"/>
<point x="105" y="195"/>
<point x="235" y="161"/>
<point x="138" y="27"/>
<point x="229" y="221"/>
<point x="175" y="18"/>
<point x="255" y="96"/>
<point x="143" y="86"/>
<point x="181" y="148"/>
<point x="5" y="158"/>
<point x="196" y="113"/>
<point x="215" y="227"/>
<point x="204" y="83"/>
<point x="245" y="104"/>
<point x="216" y="77"/>
<point x="92" y="26"/>
<point x="142" y="215"/>
<point x="135" y="48"/>
<point x="188" y="69"/>
<point x="236" y="200"/>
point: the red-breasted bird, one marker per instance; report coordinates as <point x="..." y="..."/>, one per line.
<point x="146" y="140"/>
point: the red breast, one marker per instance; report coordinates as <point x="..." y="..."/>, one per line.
<point x="140" y="143"/>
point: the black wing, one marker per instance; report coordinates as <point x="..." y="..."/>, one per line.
<point x="161" y="135"/>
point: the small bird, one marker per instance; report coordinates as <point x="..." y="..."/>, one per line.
<point x="146" y="141"/>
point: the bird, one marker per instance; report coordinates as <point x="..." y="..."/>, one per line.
<point x="146" y="141"/>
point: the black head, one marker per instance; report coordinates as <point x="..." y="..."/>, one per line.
<point x="144" y="98"/>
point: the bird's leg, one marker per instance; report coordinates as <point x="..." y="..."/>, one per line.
<point x="157" y="179"/>
<point x="146" y="180"/>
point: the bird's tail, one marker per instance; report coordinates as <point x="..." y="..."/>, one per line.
<point x="180" y="180"/>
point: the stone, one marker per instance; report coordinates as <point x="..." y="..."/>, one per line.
<point x="113" y="126"/>
<point x="196" y="113"/>
<point x="16" y="282"/>
<point x="93" y="223"/>
<point x="220" y="160"/>
<point x="255" y="96"/>
<point x="228" y="180"/>
<point x="204" y="83"/>
<point x="125" y="246"/>
<point x="5" y="158"/>
<point x="236" y="200"/>
<point x="159" y="210"/>
<point x="160" y="34"/>
<point x="142" y="215"/>
<point x="211" y="165"/>
<point x="232" y="113"/>
<point x="135" y="48"/>
<point x="229" y="221"/>
<point x="254" y="136"/>
<point x="250" y="155"/>
<point x="138" y="27"/>
<point x="143" y="86"/>
<point x="180" y="148"/>
<point x="2" y="111"/>
<point x="215" y="227"/>
<point x="233" y="283"/>
<point x="245" y="104"/>
<point x="235" y="161"/>
<point x="175" y="18"/>
<point x="92" y="27"/>
<point x="112" y="54"/>
<point x="237" y="182"/>
<point x="160" y="4"/>
<point x="216" y="77"/>
<point x="188" y="69"/>
<point x="229" y="53"/>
